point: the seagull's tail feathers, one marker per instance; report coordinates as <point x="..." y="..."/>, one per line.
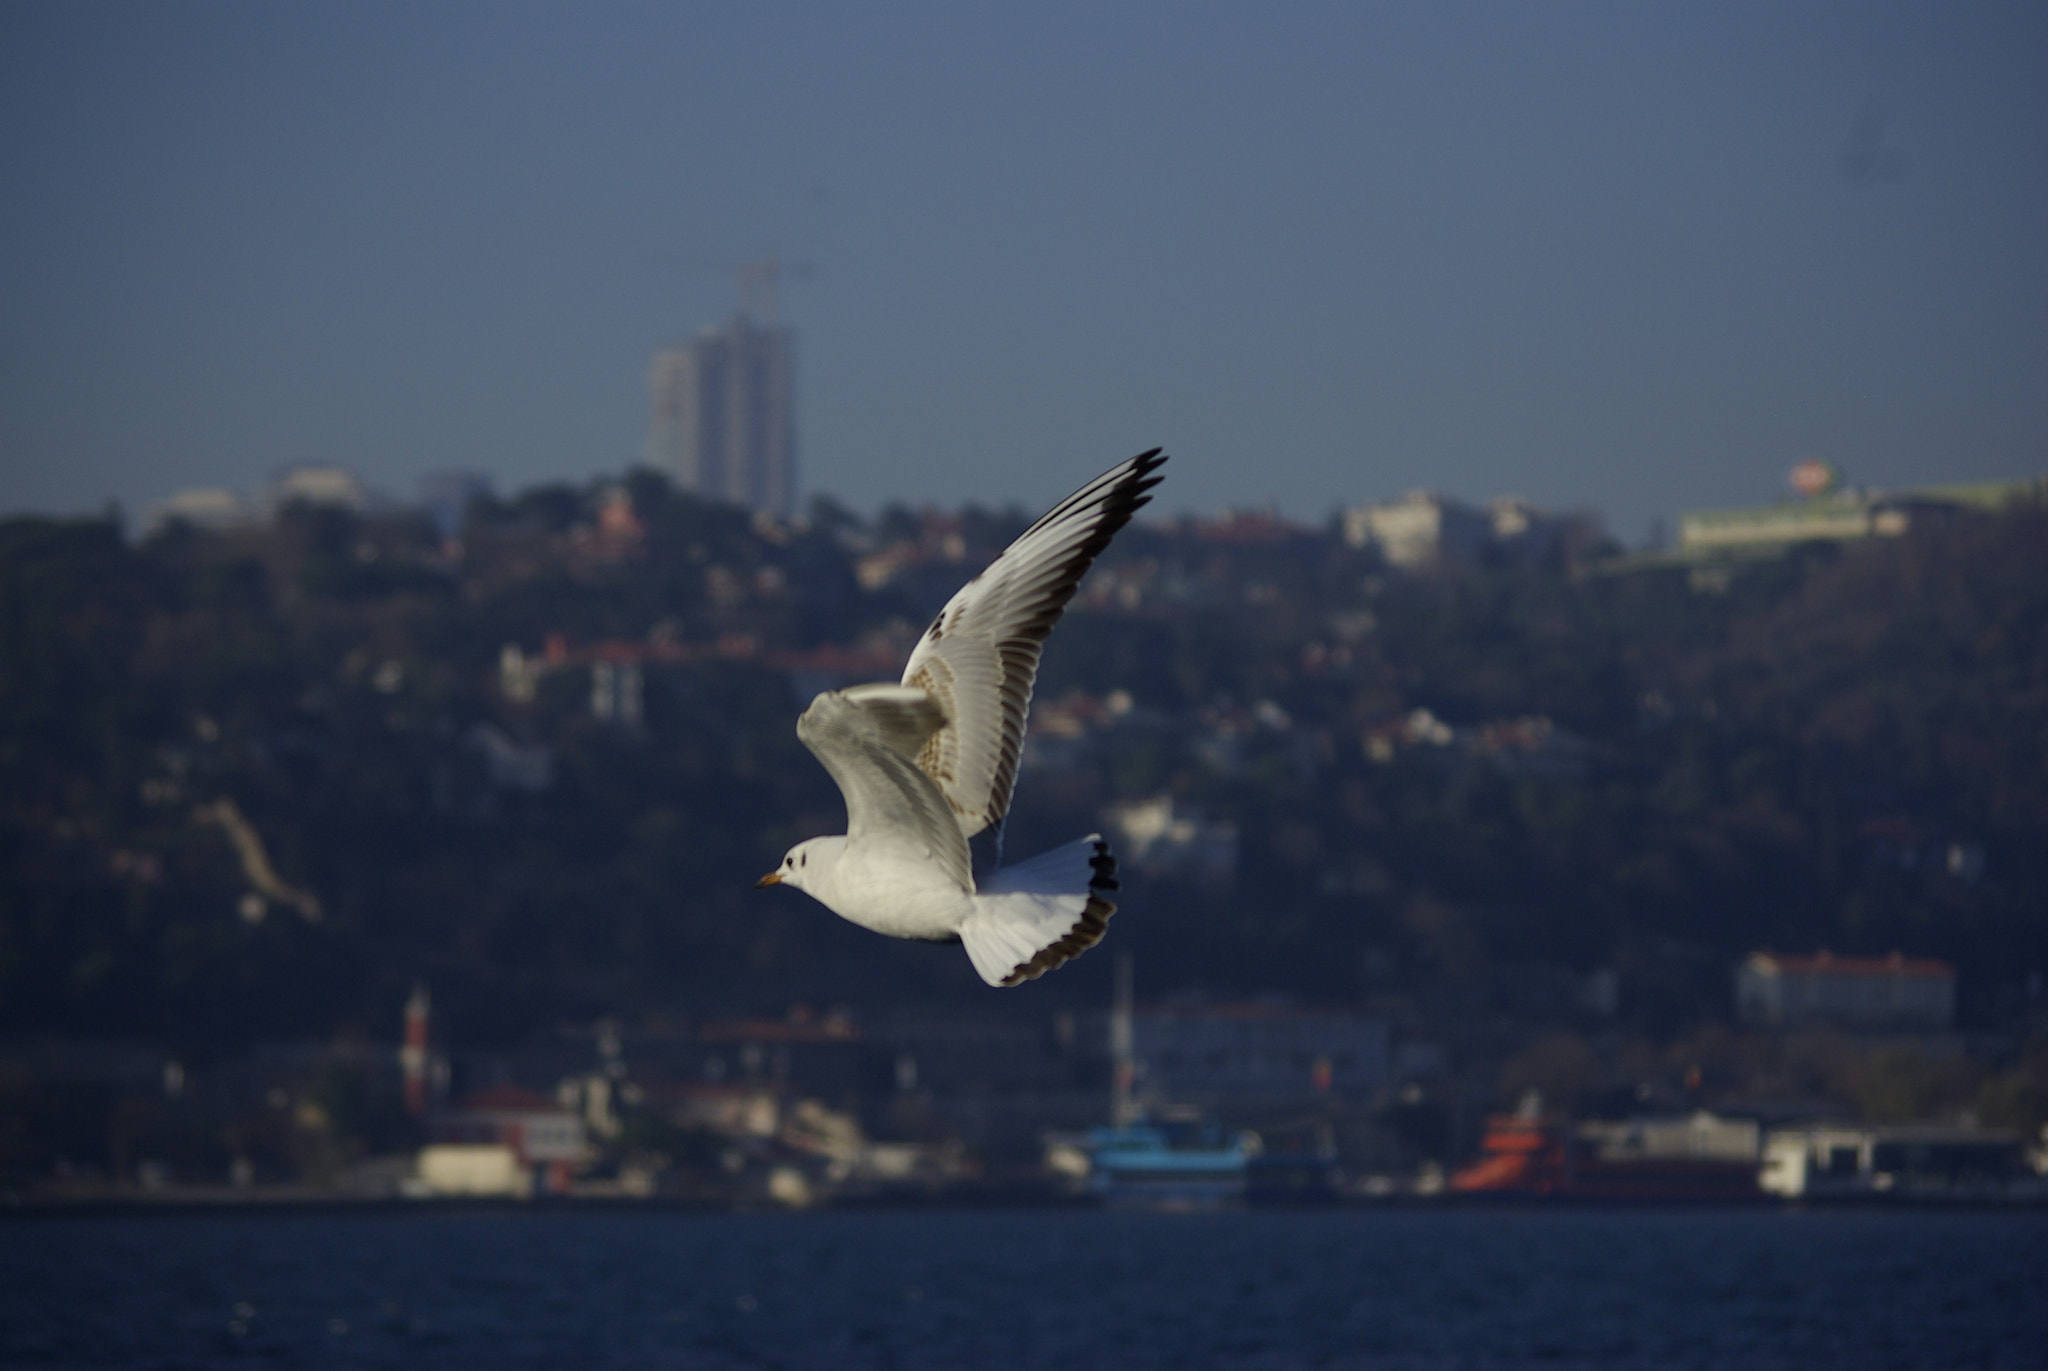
<point x="1031" y="917"/>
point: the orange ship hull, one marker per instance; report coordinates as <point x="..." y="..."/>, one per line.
<point x="1520" y="1158"/>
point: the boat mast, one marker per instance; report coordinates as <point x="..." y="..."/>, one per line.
<point x="1123" y="1110"/>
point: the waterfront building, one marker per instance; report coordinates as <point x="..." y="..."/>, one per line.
<point x="1902" y="1161"/>
<point x="503" y="1140"/>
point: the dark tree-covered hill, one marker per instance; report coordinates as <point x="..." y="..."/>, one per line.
<point x="255" y="783"/>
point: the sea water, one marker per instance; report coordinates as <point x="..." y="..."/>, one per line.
<point x="1394" y="1288"/>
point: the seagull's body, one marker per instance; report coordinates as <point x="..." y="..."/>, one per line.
<point x="929" y="764"/>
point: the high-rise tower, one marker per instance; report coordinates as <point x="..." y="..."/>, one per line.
<point x="722" y="416"/>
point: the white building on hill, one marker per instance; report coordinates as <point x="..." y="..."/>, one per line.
<point x="1894" y="992"/>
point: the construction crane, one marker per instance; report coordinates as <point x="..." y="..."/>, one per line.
<point x="759" y="279"/>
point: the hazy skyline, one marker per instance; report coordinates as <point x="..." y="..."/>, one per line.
<point x="1633" y="257"/>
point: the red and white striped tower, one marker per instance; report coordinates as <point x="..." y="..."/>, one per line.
<point x="413" y="1056"/>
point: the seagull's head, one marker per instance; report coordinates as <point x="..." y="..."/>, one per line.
<point x="804" y="862"/>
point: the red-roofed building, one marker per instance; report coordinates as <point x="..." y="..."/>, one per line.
<point x="1896" y="992"/>
<point x="546" y="1141"/>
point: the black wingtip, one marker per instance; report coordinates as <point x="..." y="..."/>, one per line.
<point x="1087" y="930"/>
<point x="1145" y="474"/>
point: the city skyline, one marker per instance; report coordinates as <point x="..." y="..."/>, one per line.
<point x="1636" y="259"/>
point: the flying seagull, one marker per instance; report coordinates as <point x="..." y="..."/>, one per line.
<point x="929" y="764"/>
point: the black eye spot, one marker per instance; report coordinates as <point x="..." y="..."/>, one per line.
<point x="805" y="860"/>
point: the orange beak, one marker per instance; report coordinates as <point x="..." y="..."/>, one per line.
<point x="772" y="878"/>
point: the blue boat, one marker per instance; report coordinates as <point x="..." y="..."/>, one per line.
<point x="1170" y="1163"/>
<point x="1157" y="1166"/>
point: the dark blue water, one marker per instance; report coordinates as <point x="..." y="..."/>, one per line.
<point x="1753" y="1290"/>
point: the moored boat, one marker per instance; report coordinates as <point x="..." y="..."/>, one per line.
<point x="1168" y="1166"/>
<point x="1698" y="1158"/>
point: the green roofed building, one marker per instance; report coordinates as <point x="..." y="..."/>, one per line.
<point x="1841" y="516"/>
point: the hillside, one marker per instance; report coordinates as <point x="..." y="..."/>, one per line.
<point x="257" y="782"/>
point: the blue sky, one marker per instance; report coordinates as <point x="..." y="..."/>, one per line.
<point x="1634" y="257"/>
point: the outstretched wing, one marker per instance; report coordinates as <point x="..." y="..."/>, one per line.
<point x="868" y="738"/>
<point x="978" y="660"/>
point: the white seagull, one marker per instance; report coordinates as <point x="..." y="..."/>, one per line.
<point x="929" y="764"/>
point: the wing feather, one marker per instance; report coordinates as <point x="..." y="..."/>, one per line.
<point x="979" y="659"/>
<point x="868" y="738"/>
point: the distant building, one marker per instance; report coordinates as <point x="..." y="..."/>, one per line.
<point x="617" y="692"/>
<point x="327" y="486"/>
<point x="722" y="416"/>
<point x="1424" y="531"/>
<point x="1157" y="836"/>
<point x="211" y="509"/>
<point x="1523" y="534"/>
<point x="815" y="1054"/>
<point x="746" y="1109"/>
<point x="1835" y="518"/>
<point x="1531" y="747"/>
<point x="215" y="509"/>
<point x="471" y="1169"/>
<point x="503" y="1140"/>
<point x="1235" y="1054"/>
<point x="1895" y="992"/>
<point x="1841" y="516"/>
<point x="1920" y="1161"/>
<point x="1419" y="531"/>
